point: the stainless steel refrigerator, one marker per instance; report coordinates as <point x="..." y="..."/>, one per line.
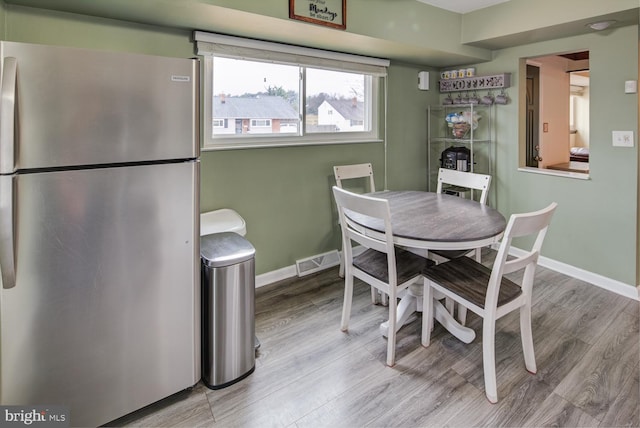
<point x="99" y="229"/>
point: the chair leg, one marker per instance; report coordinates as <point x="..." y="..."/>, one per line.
<point x="375" y="296"/>
<point x="346" y="306"/>
<point x="527" y="339"/>
<point x="384" y="298"/>
<point x="462" y="311"/>
<point x="478" y="254"/>
<point x="489" y="359"/>
<point x="450" y="305"/>
<point x="341" y="269"/>
<point x="462" y="314"/>
<point x="427" y="313"/>
<point x="379" y="297"/>
<point x="391" y="334"/>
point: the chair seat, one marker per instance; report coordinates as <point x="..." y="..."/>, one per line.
<point x="469" y="279"/>
<point x="408" y="265"/>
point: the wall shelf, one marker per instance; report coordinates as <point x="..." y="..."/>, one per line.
<point x="477" y="83"/>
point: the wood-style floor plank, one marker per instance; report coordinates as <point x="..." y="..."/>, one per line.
<point x="625" y="412"/>
<point x="310" y="374"/>
<point x="302" y="395"/>
<point x="597" y="380"/>
<point x="555" y="411"/>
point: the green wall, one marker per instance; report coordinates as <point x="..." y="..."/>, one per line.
<point x="2" y="20"/>
<point x="595" y="225"/>
<point x="24" y="24"/>
<point x="284" y="194"/>
<point x="548" y="17"/>
<point x="407" y="127"/>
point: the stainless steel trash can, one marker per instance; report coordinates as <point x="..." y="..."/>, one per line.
<point x="228" y="308"/>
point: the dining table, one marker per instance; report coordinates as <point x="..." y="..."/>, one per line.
<point x="424" y="221"/>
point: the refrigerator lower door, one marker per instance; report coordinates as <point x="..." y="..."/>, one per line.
<point x="104" y="315"/>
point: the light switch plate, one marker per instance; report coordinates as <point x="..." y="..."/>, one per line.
<point x="630" y="86"/>
<point x="622" y="138"/>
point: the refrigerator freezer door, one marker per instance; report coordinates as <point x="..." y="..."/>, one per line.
<point x="104" y="317"/>
<point x="85" y="107"/>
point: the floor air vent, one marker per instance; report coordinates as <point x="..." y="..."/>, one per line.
<point x="317" y="263"/>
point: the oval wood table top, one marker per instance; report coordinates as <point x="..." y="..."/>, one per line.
<point x="435" y="221"/>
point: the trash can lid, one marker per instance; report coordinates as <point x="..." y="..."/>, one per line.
<point x="225" y="249"/>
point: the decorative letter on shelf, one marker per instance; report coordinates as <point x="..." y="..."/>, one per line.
<point x="496" y="81"/>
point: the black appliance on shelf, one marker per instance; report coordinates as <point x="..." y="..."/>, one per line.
<point x="458" y="158"/>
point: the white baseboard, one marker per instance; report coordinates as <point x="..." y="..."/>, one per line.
<point x="291" y="271"/>
<point x="609" y="284"/>
<point x="276" y="275"/>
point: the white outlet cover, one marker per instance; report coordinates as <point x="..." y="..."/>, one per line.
<point x="622" y="138"/>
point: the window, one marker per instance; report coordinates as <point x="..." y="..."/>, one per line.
<point x="287" y="95"/>
<point x="261" y="123"/>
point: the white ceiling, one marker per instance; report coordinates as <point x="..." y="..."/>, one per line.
<point x="462" y="6"/>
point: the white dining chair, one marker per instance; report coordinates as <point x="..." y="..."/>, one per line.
<point x="460" y="181"/>
<point x="488" y="293"/>
<point x="465" y="180"/>
<point x="363" y="171"/>
<point x="382" y="265"/>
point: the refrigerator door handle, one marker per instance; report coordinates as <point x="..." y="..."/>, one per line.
<point x="7" y="241"/>
<point x="7" y="115"/>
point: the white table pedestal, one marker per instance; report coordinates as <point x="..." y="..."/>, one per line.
<point x="412" y="302"/>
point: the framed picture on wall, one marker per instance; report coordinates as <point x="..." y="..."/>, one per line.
<point x="330" y="13"/>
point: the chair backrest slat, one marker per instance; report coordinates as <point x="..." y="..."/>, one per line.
<point x="366" y="241"/>
<point x="469" y="180"/>
<point x="348" y="172"/>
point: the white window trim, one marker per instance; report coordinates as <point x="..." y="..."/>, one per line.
<point x="236" y="47"/>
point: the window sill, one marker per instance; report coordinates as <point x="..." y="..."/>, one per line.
<point x="236" y="145"/>
<point x="557" y="173"/>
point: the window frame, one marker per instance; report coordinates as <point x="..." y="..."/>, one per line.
<point x="239" y="48"/>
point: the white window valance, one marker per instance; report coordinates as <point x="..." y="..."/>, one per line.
<point x="242" y="48"/>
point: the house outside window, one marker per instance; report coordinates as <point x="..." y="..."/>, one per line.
<point x="348" y="117"/>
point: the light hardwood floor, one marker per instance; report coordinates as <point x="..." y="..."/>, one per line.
<point x="310" y="374"/>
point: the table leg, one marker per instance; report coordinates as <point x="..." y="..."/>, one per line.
<point x="465" y="334"/>
<point x="412" y="302"/>
<point x="408" y="306"/>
